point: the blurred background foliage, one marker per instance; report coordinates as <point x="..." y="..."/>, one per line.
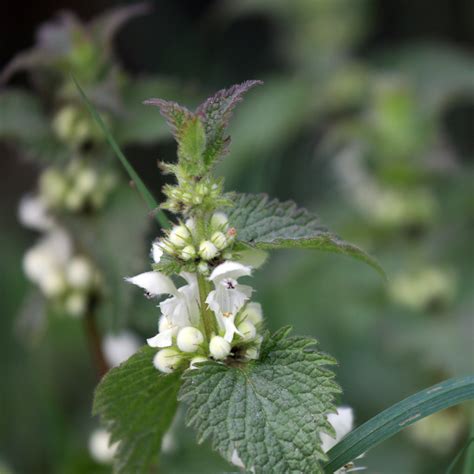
<point x="366" y="118"/>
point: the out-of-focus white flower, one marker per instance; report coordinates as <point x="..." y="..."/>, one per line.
<point x="119" y="347"/>
<point x="86" y="180"/>
<point x="76" y="304"/>
<point x="79" y="272"/>
<point x="100" y="448"/>
<point x="33" y="213"/>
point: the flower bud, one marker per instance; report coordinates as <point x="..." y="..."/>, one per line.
<point x="79" y="272"/>
<point x="196" y="360"/>
<point x="191" y="225"/>
<point x="166" y="246"/>
<point x="74" y="200"/>
<point x="52" y="186"/>
<point x="219" y="220"/>
<point x="247" y="329"/>
<point x="207" y="250"/>
<point x="166" y="360"/>
<point x="252" y="353"/>
<point x="189" y="339"/>
<point x="253" y="313"/>
<point x="203" y="268"/>
<point x="219" y="348"/>
<point x="219" y="240"/>
<point x="188" y="253"/>
<point x="179" y="235"/>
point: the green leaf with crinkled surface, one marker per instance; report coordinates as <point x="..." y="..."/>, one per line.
<point x="270" y="411"/>
<point x="215" y="113"/>
<point x="137" y="404"/>
<point x="270" y="224"/>
<point x="191" y="146"/>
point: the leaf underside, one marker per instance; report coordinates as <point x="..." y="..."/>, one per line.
<point x="270" y="224"/>
<point x="271" y="411"/>
<point x="137" y="404"/>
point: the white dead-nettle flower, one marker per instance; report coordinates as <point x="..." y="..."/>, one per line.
<point x="33" y="213"/>
<point x="253" y="313"/>
<point x="179" y="236"/>
<point x="76" y="304"/>
<point x="188" y="252"/>
<point x="79" y="272"/>
<point x="100" y="448"/>
<point x="219" y="347"/>
<point x="219" y="221"/>
<point x="229" y="296"/>
<point x="343" y="423"/>
<point x="196" y="360"/>
<point x="156" y="252"/>
<point x="167" y="360"/>
<point x="207" y="250"/>
<point x="247" y="330"/>
<point x="86" y="180"/>
<point x="119" y="347"/>
<point x="189" y="339"/>
<point x="219" y="240"/>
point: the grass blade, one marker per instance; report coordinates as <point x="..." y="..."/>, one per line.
<point x="399" y="416"/>
<point x="142" y="189"/>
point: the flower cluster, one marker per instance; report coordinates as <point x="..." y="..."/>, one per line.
<point x="198" y="248"/>
<point x="211" y="316"/>
<point x="78" y="187"/>
<point x="68" y="279"/>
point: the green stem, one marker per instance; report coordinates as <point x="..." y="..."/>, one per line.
<point x="207" y="316"/>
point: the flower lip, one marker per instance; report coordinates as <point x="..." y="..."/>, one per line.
<point x="230" y="269"/>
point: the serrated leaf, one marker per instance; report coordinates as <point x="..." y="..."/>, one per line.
<point x="177" y="116"/>
<point x="399" y="416"/>
<point x="215" y="113"/>
<point x="270" y="224"/>
<point x="271" y="411"/>
<point x="137" y="405"/>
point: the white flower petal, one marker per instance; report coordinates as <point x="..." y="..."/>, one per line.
<point x="156" y="252"/>
<point x="154" y="283"/>
<point x="163" y="339"/>
<point x="342" y="422"/>
<point x="229" y="269"/>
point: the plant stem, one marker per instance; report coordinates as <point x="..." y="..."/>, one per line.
<point x="207" y="316"/>
<point x="94" y="339"/>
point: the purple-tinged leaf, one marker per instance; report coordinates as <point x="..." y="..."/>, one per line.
<point x="215" y="114"/>
<point x="176" y="115"/>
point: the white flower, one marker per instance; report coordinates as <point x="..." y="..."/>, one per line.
<point x="166" y="332"/>
<point x="76" y="304"/>
<point x="188" y="252"/>
<point x="86" y="180"/>
<point x="189" y="339"/>
<point x="219" y="347"/>
<point x="154" y="283"/>
<point x="156" y="252"/>
<point x="79" y="272"/>
<point x="229" y="296"/>
<point x="342" y="422"/>
<point x="207" y="250"/>
<point x="166" y="360"/>
<point x="100" y="448"/>
<point x="179" y="235"/>
<point x="247" y="330"/>
<point x="33" y="213"/>
<point x="219" y="221"/>
<point x="119" y="347"/>
<point x="219" y="240"/>
<point x="252" y="313"/>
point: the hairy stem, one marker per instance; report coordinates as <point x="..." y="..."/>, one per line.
<point x="207" y="315"/>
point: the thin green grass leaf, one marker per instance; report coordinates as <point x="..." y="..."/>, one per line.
<point x="399" y="416"/>
<point x="142" y="189"/>
<point x="458" y="457"/>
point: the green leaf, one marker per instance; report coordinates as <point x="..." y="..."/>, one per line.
<point x="270" y="224"/>
<point x="399" y="416"/>
<point x="143" y="190"/>
<point x="137" y="405"/>
<point x="269" y="411"/>
<point x="192" y="144"/>
<point x="215" y="113"/>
